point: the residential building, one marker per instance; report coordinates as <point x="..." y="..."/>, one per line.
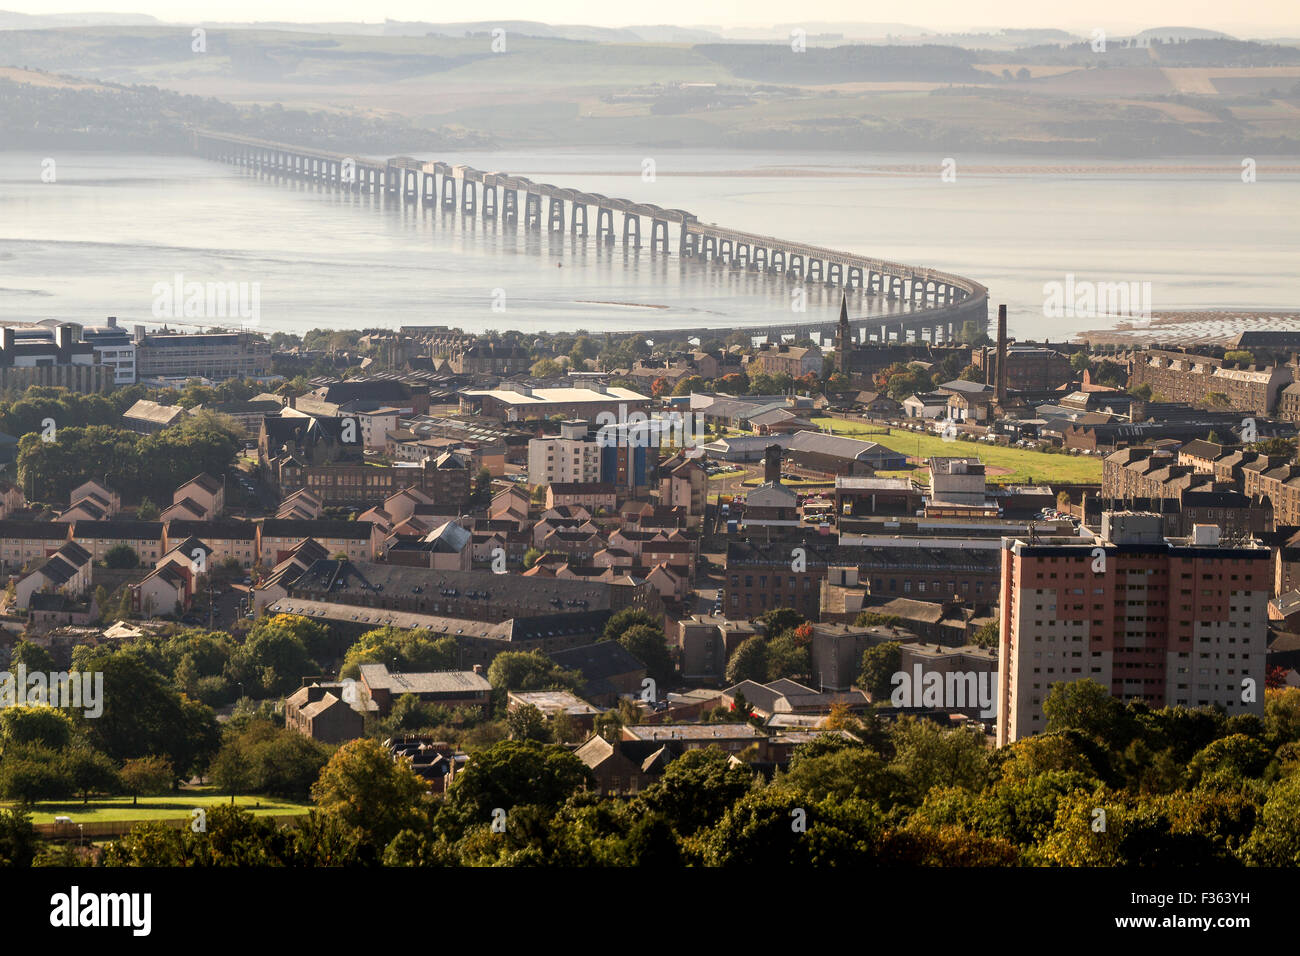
<point x="1174" y="622"/>
<point x="1193" y="377"/>
<point x="318" y="710"/>
<point x="67" y="571"/>
<point x="574" y="455"/>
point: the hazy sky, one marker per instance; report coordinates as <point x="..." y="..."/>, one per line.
<point x="1257" y="17"/>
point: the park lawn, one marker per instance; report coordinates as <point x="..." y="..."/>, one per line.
<point x="170" y="806"/>
<point x="1021" y="466"/>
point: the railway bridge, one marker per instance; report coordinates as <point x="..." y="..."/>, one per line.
<point x="936" y="305"/>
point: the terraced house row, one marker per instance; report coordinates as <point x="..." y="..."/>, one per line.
<point x="250" y="543"/>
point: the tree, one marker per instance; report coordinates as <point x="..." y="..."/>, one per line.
<point x="757" y="831"/>
<point x="527" y="723"/>
<point x="483" y="486"/>
<point x="834" y="767"/>
<point x="646" y="643"/>
<point x="546" y="368"/>
<point x="1063" y="501"/>
<point x="35" y="724"/>
<point x="147" y="775"/>
<point x="1275" y="840"/>
<point x="1239" y="355"/>
<point x="30" y="773"/>
<point x="1080" y="361"/>
<point x="121" y="556"/>
<point x="1229" y="761"/>
<point x="787" y="657"/>
<point x="626" y="619"/>
<point x="926" y="756"/>
<point x="33" y="657"/>
<point x="879" y="665"/>
<point x="531" y="557"/>
<point x="987" y="635"/>
<point x="529" y="670"/>
<point x="691" y="383"/>
<point x="143" y="715"/>
<point x="271" y="661"/>
<point x="230" y="769"/>
<point x="1142" y="392"/>
<point x="282" y="762"/>
<point x="147" y="511"/>
<point x="90" y="771"/>
<point x="370" y="792"/>
<point x="412" y="650"/>
<point x="1087" y="706"/>
<point x="748" y="661"/>
<point x="18" y="839"/>
<point x="513" y="773"/>
<point x="697" y="788"/>
<point x="1280" y="447"/>
<point x="779" y="619"/>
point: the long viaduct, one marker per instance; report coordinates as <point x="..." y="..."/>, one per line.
<point x="938" y="303"/>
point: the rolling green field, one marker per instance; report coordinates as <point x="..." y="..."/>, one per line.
<point x="170" y="806"/>
<point x="1013" y="465"/>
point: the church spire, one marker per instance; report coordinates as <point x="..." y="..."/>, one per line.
<point x="843" y="337"/>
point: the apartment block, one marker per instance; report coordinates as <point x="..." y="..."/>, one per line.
<point x="1172" y="621"/>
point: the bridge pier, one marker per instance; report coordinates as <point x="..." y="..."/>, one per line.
<point x="555" y="216"/>
<point x="428" y="188"/>
<point x="605" y="225"/>
<point x="815" y="270"/>
<point x="658" y="235"/>
<point x="532" y="211"/>
<point x="410" y="186"/>
<point x="796" y="265"/>
<point x="725" y="251"/>
<point x="448" y="192"/>
<point x="760" y="258"/>
<point x="835" y="274"/>
<point x="510" y="206"/>
<point x="489" y="201"/>
<point x="469" y="197"/>
<point x="778" y="261"/>
<point x="631" y="230"/>
<point x="578" y="220"/>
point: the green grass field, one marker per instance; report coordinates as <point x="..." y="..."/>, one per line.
<point x="171" y="806"/>
<point x="1013" y="465"/>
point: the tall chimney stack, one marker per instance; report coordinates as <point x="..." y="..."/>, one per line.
<point x="1002" y="355"/>
<point x="772" y="464"/>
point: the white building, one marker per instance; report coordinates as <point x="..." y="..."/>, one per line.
<point x="573" y="456"/>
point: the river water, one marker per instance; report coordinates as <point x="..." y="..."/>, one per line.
<point x="109" y="228"/>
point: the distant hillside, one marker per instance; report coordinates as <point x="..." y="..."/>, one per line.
<point x="775" y="63"/>
<point x="10" y="20"/>
<point x="44" y="113"/>
<point x="1173" y="34"/>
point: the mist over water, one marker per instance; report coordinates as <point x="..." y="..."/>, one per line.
<point x="95" y="242"/>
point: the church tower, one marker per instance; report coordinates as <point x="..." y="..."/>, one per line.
<point x="844" y="339"/>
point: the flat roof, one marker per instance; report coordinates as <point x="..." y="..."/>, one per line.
<point x="543" y="396"/>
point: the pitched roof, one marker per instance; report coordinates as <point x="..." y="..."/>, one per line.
<point x="204" y="481"/>
<point x="224" y="529"/>
<point x="316" y="528"/>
